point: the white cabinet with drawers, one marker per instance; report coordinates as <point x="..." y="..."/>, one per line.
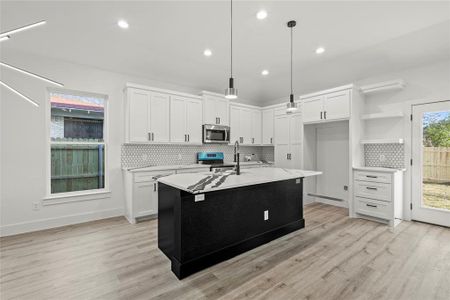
<point x="378" y="194"/>
<point x="141" y="190"/>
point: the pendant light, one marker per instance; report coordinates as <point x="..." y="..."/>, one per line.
<point x="291" y="105"/>
<point x="231" y="92"/>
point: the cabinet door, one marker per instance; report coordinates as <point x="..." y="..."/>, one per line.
<point x="245" y="126"/>
<point x="295" y="129"/>
<point x="256" y="127"/>
<point x="144" y="200"/>
<point x="222" y="111"/>
<point x="337" y="105"/>
<point x="267" y="126"/>
<point x="282" y="141"/>
<point x="312" y="109"/>
<point x="209" y="110"/>
<point x="194" y="121"/>
<point x="234" y="124"/>
<point x="178" y="130"/>
<point x="296" y="156"/>
<point x="159" y="117"/>
<point x="138" y="110"/>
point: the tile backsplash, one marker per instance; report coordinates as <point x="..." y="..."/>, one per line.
<point x="384" y="155"/>
<point x="136" y="155"/>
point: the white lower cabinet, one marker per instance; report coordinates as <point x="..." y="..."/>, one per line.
<point x="141" y="191"/>
<point x="378" y="194"/>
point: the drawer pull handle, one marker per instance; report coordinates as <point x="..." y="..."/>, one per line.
<point x="371" y="176"/>
<point x="371" y="188"/>
<point x="371" y="205"/>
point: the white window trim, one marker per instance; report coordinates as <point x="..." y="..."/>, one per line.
<point x="77" y="196"/>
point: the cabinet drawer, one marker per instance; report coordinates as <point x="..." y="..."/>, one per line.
<point x="373" y="190"/>
<point x="373" y="208"/>
<point x="148" y="176"/>
<point x="373" y="176"/>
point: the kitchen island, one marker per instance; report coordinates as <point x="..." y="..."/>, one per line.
<point x="205" y="218"/>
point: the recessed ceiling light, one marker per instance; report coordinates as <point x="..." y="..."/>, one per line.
<point x="207" y="52"/>
<point x="320" y="50"/>
<point x="261" y="15"/>
<point x="123" y="24"/>
<point x="265" y="72"/>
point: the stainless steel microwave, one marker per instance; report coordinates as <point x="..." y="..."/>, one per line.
<point x="216" y="134"/>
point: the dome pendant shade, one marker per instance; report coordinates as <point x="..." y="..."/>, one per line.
<point x="231" y="92"/>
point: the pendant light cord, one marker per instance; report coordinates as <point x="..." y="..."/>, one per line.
<point x="231" y="25"/>
<point x="292" y="91"/>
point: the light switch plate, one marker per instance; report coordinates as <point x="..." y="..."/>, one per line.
<point x="199" y="197"/>
<point x="266" y="215"/>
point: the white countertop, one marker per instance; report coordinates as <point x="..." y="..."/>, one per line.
<point x="379" y="169"/>
<point x="208" y="181"/>
<point x="190" y="166"/>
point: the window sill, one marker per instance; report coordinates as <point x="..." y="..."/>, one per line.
<point x="75" y="197"/>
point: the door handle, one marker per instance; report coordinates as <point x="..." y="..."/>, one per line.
<point x="271" y="140"/>
<point x="325" y="115"/>
<point x="219" y="120"/>
<point x="154" y="187"/>
<point x="371" y="188"/>
<point x="253" y="140"/>
<point x="185" y="137"/>
<point x="321" y="113"/>
<point x="188" y="137"/>
<point x="149" y="136"/>
<point x="371" y="205"/>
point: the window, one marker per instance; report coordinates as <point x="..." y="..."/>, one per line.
<point x="77" y="142"/>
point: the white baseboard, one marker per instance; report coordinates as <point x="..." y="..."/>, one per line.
<point x="42" y="224"/>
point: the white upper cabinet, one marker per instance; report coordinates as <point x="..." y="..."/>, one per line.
<point x="159" y="121"/>
<point x="256" y="137"/>
<point x="327" y="106"/>
<point x="312" y="109"/>
<point x="147" y="118"/>
<point x="138" y="104"/>
<point x="267" y="126"/>
<point x="337" y="105"/>
<point x="185" y="120"/>
<point x="215" y="109"/>
<point x="245" y="125"/>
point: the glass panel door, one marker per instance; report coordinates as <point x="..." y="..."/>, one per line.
<point x="431" y="163"/>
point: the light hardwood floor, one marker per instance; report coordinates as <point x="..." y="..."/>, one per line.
<point x="334" y="257"/>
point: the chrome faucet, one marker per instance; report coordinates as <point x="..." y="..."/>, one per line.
<point x="236" y="158"/>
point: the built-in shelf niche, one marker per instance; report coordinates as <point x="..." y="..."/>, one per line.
<point x="396" y="84"/>
<point x="383" y="141"/>
<point x="382" y="115"/>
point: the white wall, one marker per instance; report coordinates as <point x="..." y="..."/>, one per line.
<point x="23" y="144"/>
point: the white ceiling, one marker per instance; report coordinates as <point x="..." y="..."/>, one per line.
<point x="166" y="40"/>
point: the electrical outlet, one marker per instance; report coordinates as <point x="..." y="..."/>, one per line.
<point x="144" y="157"/>
<point x="266" y="215"/>
<point x="36" y="205"/>
<point x="180" y="157"/>
<point x="382" y="157"/>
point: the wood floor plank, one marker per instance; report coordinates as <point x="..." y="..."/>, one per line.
<point x="333" y="257"/>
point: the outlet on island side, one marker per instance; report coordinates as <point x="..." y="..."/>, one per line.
<point x="266" y="215"/>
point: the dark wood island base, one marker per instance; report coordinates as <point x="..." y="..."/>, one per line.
<point x="196" y="231"/>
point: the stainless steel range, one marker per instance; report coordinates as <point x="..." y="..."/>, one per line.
<point x="215" y="160"/>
